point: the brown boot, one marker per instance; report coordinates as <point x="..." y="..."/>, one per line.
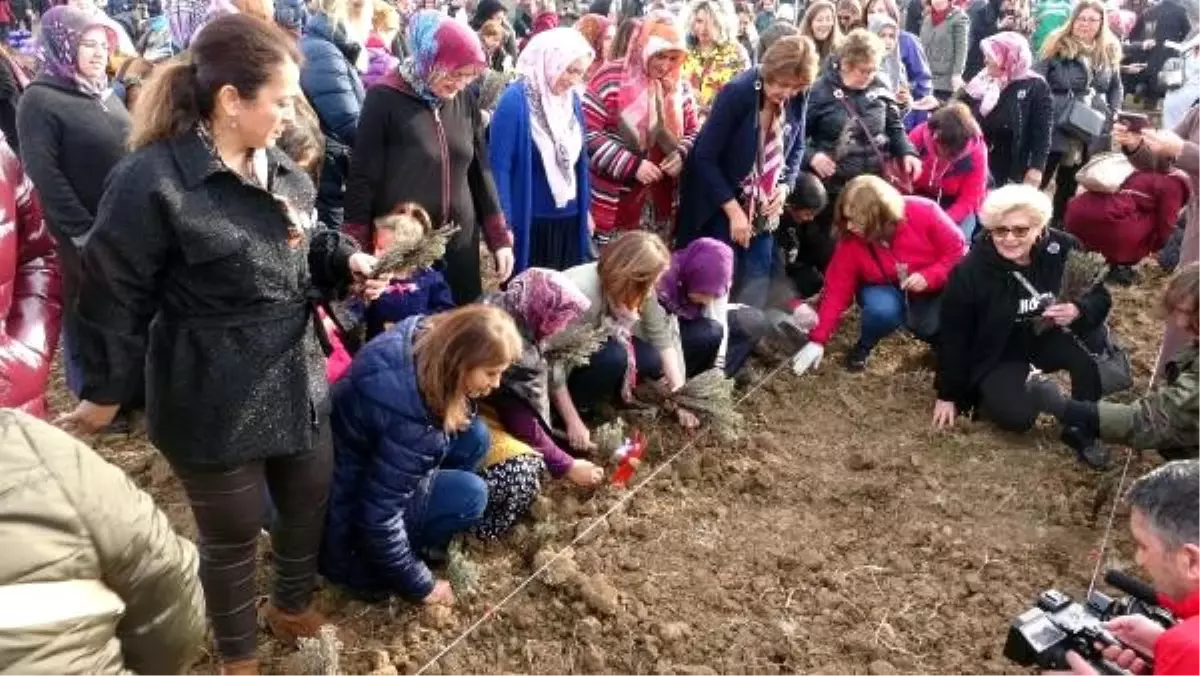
<point x="246" y="667"/>
<point x="288" y="627"/>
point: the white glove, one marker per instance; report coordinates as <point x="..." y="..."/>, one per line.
<point x="804" y="317"/>
<point x="809" y="357"/>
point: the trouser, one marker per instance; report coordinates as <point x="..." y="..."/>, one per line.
<point x="1003" y="398"/>
<point x="883" y="312"/>
<point x="461" y="267"/>
<point x="599" y="383"/>
<point x="228" y="507"/>
<point x="1065" y="183"/>
<point x="752" y="270"/>
<point x="452" y="498"/>
<point x="701" y="338"/>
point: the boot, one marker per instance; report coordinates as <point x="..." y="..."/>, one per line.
<point x="288" y="627"/>
<point x="246" y="667"/>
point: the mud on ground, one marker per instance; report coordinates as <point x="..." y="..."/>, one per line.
<point x="840" y="535"/>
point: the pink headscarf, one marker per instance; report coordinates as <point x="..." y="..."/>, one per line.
<point x="1011" y="51"/>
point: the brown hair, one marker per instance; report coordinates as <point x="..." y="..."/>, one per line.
<point x="621" y="39"/>
<point x="453" y="344"/>
<point x="860" y="47"/>
<point x="236" y="50"/>
<point x="834" y="42"/>
<point x="1061" y="44"/>
<point x="953" y="126"/>
<point x="873" y="205"/>
<point x="1183" y="288"/>
<point x="630" y="266"/>
<point x="303" y="141"/>
<point x="853" y="9"/>
<point x="792" y="57"/>
<point x="493" y="28"/>
<point x="889" y="8"/>
<point x="133" y="74"/>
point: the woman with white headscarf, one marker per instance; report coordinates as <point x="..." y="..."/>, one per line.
<point x="537" y="152"/>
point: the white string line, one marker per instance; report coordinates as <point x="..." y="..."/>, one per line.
<point x="595" y="522"/>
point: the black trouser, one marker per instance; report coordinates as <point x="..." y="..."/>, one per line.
<point x="228" y="506"/>
<point x="1065" y="184"/>
<point x="599" y="383"/>
<point x="1003" y="398"/>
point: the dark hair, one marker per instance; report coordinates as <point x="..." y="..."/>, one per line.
<point x="953" y="126"/>
<point x="743" y="8"/>
<point x="1167" y="497"/>
<point x="808" y="193"/>
<point x="303" y="141"/>
<point x="621" y="39"/>
<point x="773" y="33"/>
<point x="237" y="50"/>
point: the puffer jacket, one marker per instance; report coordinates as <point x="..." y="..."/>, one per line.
<point x="99" y="583"/>
<point x="1132" y="223"/>
<point x="946" y="46"/>
<point x="833" y="130"/>
<point x="331" y="82"/>
<point x="30" y="291"/>
<point x="1075" y="78"/>
<point x="386" y="444"/>
<point x="957" y="184"/>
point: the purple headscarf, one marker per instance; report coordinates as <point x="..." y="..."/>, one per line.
<point x="61" y="31"/>
<point x="185" y="18"/>
<point x="705" y="266"/>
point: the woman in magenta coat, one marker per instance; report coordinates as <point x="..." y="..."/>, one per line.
<point x="954" y="164"/>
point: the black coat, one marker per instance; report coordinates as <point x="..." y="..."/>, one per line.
<point x="209" y="280"/>
<point x="1076" y="79"/>
<point x="1017" y="130"/>
<point x="985" y="16"/>
<point x="1167" y="20"/>
<point x="984" y="307"/>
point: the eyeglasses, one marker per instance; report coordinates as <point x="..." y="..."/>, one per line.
<point x="1002" y="231"/>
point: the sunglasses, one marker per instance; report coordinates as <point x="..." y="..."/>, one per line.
<point x="1019" y="231"/>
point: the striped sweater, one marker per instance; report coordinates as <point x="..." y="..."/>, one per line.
<point x="613" y="162"/>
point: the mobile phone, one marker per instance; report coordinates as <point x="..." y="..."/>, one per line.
<point x="1134" y="122"/>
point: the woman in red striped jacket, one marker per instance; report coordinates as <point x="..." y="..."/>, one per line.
<point x="641" y="122"/>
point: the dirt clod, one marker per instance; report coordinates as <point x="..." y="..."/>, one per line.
<point x="673" y="632"/>
<point x="857" y="462"/>
<point x="593" y="659"/>
<point x="599" y="594"/>
<point x="881" y="668"/>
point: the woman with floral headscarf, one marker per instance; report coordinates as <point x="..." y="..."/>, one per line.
<point x="420" y="139"/>
<point x="641" y="122"/>
<point x="1014" y="108"/>
<point x="541" y="303"/>
<point x="537" y="153"/>
<point x="599" y="31"/>
<point x="73" y="132"/>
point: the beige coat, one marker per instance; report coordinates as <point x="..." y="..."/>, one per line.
<point x="92" y="578"/>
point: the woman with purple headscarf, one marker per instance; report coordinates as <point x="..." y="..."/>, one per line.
<point x="73" y="132"/>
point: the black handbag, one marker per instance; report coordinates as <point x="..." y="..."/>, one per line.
<point x="1114" y="365"/>
<point x="1080" y="119"/>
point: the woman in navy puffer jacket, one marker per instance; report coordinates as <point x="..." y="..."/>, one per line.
<point x="407" y="446"/>
<point x="331" y="82"/>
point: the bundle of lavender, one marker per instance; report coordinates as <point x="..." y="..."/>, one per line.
<point x="414" y="254"/>
<point x="709" y="396"/>
<point x="1082" y="271"/>
<point x="574" y="346"/>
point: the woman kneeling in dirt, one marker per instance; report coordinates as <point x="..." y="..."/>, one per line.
<point x="408" y="445"/>
<point x="1164" y="419"/>
<point x="999" y="314"/>
<point x="542" y="303"/>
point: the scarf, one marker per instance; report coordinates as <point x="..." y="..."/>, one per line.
<point x="594" y="27"/>
<point x="61" y="31"/>
<point x="185" y="18"/>
<point x="554" y="127"/>
<point x="705" y="266"/>
<point x="1011" y="51"/>
<point x="438" y="45"/>
<point x="651" y="111"/>
<point x="890" y="65"/>
<point x="542" y="302"/>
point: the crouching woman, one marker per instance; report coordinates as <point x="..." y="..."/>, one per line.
<point x="999" y="315"/>
<point x="407" y="446"/>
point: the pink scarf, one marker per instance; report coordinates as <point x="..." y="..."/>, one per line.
<point x="1011" y="51"/>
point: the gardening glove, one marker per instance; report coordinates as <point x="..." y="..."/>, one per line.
<point x="809" y="357"/>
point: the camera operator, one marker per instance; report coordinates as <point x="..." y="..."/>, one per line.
<point x="1166" y="530"/>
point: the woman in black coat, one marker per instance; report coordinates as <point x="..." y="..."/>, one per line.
<point x="205" y="264"/>
<point x="421" y="140"/>
<point x="999" y="315"/>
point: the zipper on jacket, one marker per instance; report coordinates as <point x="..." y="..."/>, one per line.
<point x="441" y="135"/>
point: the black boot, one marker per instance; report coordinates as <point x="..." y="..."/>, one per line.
<point x="1090" y="450"/>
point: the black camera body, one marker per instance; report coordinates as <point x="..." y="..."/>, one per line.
<point x="1042" y="635"/>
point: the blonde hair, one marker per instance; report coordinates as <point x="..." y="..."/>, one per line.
<point x="1183" y="287"/>
<point x="385" y="18"/>
<point x="408" y="223"/>
<point x="834" y="42"/>
<point x="493" y="28"/>
<point x="630" y="266"/>
<point x="861" y="46"/>
<point x="1016" y="198"/>
<point x="724" y="18"/>
<point x="873" y="205"/>
<point x="792" y="57"/>
<point x="1062" y="44"/>
<point x="450" y="347"/>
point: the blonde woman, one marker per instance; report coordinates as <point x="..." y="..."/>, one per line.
<point x="1081" y="62"/>
<point x="714" y="55"/>
<point x="820" y="24"/>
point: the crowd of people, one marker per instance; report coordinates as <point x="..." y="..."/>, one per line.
<point x="334" y="252"/>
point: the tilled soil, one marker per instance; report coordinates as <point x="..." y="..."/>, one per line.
<point x="839" y="535"/>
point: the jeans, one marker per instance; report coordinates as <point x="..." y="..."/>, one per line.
<point x="883" y="311"/>
<point x="452" y="498"/>
<point x="968" y="225"/>
<point x="599" y="382"/>
<point x="752" y="268"/>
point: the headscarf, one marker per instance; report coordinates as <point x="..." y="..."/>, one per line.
<point x="61" y="31"/>
<point x="594" y="27"/>
<point x="185" y="18"/>
<point x="890" y="65"/>
<point x="555" y="128"/>
<point x="705" y="266"/>
<point x="1011" y="51"/>
<point x="485" y="11"/>
<point x="438" y="45"/>
<point x="652" y="108"/>
<point x="542" y="302"/>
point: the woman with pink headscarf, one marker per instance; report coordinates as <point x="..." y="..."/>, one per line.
<point x="537" y="151"/>
<point x="1014" y="108"/>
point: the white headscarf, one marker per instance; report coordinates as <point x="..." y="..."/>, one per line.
<point x="556" y="131"/>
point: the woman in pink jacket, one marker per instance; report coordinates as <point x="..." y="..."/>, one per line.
<point x="954" y="164"/>
<point x="894" y="253"/>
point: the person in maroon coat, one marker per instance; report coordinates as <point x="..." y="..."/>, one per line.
<point x="30" y="291"/>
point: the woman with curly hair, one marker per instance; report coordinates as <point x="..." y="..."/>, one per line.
<point x="714" y="57"/>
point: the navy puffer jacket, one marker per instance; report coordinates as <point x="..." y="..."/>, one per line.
<point x="386" y="442"/>
<point x="332" y="84"/>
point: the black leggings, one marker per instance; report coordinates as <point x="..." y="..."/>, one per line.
<point x="1003" y="398"/>
<point x="1065" y="184"/>
<point x="228" y="506"/>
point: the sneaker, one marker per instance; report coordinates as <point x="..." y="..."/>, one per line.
<point x="856" y="359"/>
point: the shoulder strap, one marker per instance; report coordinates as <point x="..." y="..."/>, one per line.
<point x="852" y="111"/>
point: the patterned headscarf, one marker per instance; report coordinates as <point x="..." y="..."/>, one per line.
<point x="439" y="45"/>
<point x="61" y="31"/>
<point x="542" y="302"/>
<point x="653" y="107"/>
<point x="594" y="27"/>
<point x="1011" y="51"/>
<point x="185" y="18"/>
<point x="705" y="266"/>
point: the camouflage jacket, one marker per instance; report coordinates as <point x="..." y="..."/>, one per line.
<point x="1166" y="417"/>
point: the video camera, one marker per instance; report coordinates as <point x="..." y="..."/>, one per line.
<point x="1042" y="635"/>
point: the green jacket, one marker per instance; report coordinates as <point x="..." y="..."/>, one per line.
<point x="1166" y="417"/>
<point x="1048" y="16"/>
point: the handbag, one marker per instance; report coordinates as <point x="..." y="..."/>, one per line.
<point x="1113" y="364"/>
<point x="1079" y="118"/>
<point x="1170" y="76"/>
<point x="1105" y="173"/>
<point x="893" y="169"/>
